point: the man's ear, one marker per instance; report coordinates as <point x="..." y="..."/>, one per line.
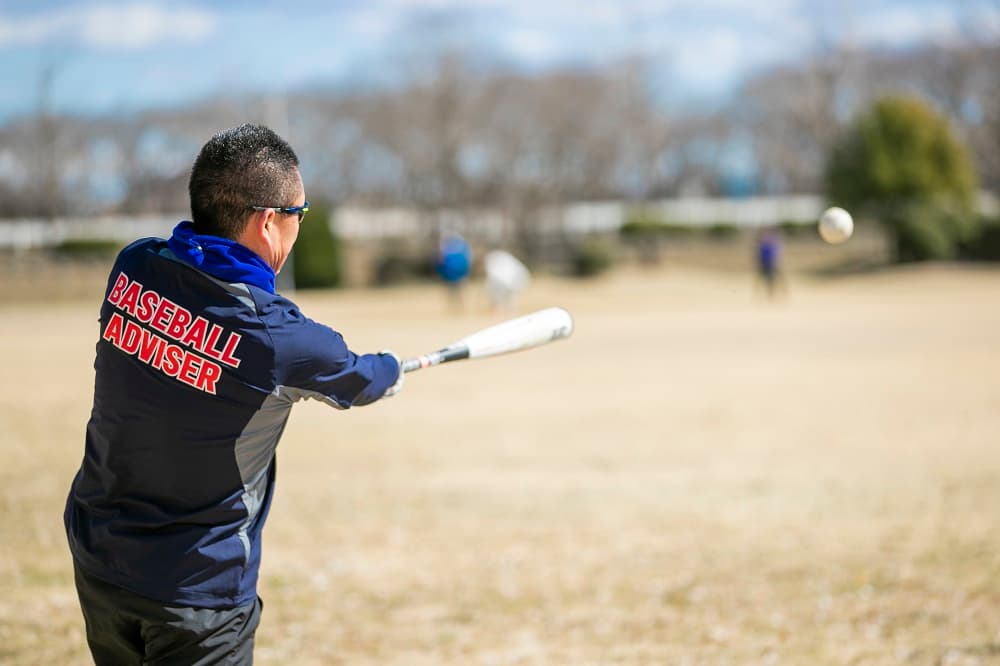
<point x="257" y="233"/>
<point x="262" y="222"/>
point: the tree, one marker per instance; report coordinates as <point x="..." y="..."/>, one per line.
<point x="900" y="163"/>
<point x="793" y="117"/>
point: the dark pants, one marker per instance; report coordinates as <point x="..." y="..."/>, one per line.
<point x="124" y="628"/>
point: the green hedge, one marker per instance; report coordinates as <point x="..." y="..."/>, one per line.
<point x="929" y="230"/>
<point x="88" y="249"/>
<point x="643" y="225"/>
<point x="317" y="256"/>
<point x="984" y="245"/>
<point x="797" y="228"/>
<point x="722" y="231"/>
<point x="592" y="257"/>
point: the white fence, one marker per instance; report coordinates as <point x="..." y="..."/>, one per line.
<point x="579" y="218"/>
<point x="28" y="234"/>
<point x="359" y="222"/>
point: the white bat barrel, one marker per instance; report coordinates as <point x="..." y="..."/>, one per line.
<point x="532" y="330"/>
<point x="524" y="332"/>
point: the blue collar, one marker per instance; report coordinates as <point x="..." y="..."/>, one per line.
<point x="220" y="257"/>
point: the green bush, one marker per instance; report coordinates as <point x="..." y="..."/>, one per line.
<point x="929" y="230"/>
<point x="592" y="257"/>
<point x="88" y="249"/>
<point x="984" y="245"/>
<point x="722" y="231"/>
<point x="900" y="150"/>
<point x="797" y="228"/>
<point x="901" y="164"/>
<point x="920" y="236"/>
<point x="316" y="259"/>
<point x="640" y="226"/>
<point x="677" y="231"/>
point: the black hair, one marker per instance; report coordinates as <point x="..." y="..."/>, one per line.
<point x="245" y="166"/>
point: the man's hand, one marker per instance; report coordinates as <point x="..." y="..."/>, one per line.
<point x="398" y="386"/>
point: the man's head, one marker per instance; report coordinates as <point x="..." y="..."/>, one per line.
<point x="237" y="170"/>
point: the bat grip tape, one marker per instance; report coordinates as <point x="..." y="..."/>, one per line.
<point x="435" y="358"/>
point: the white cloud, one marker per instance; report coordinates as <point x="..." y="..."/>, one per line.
<point x="900" y="26"/>
<point x="711" y="60"/>
<point x="139" y="25"/>
<point x="369" y="23"/>
<point x="530" y="44"/>
<point x="113" y="27"/>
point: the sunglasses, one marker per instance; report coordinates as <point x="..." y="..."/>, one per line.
<point x="287" y="210"/>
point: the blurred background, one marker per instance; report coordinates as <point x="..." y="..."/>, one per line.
<point x="701" y="475"/>
<point x="573" y="136"/>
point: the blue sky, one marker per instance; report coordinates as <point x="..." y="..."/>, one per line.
<point x="122" y="55"/>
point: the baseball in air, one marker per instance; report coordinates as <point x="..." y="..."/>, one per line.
<point x="835" y="225"/>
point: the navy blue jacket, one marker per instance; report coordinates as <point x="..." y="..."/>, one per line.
<point x="195" y="379"/>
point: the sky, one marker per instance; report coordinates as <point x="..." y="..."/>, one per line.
<point x="112" y="56"/>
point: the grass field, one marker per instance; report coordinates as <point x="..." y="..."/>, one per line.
<point x="696" y="477"/>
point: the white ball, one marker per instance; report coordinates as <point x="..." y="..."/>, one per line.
<point x="835" y="225"/>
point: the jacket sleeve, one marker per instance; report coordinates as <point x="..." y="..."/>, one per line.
<point x="314" y="360"/>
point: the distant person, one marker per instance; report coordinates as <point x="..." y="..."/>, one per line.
<point x="769" y="250"/>
<point x="506" y="278"/>
<point x="198" y="365"/>
<point x="453" y="263"/>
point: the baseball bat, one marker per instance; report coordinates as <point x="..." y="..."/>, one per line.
<point x="531" y="330"/>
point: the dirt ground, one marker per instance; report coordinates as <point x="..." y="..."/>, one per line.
<point x="697" y="477"/>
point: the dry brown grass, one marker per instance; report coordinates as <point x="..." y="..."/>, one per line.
<point x="697" y="477"/>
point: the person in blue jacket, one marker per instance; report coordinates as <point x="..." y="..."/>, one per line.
<point x="197" y="366"/>
<point x="769" y="260"/>
<point x="453" y="263"/>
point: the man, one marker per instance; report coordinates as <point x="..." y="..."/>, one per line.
<point x="453" y="264"/>
<point x="506" y="277"/>
<point x="197" y="367"/>
<point x="768" y="260"/>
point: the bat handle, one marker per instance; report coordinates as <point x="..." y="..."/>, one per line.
<point x="423" y="361"/>
<point x="411" y="364"/>
<point x="453" y="353"/>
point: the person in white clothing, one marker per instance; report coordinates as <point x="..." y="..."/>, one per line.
<point x="506" y="277"/>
